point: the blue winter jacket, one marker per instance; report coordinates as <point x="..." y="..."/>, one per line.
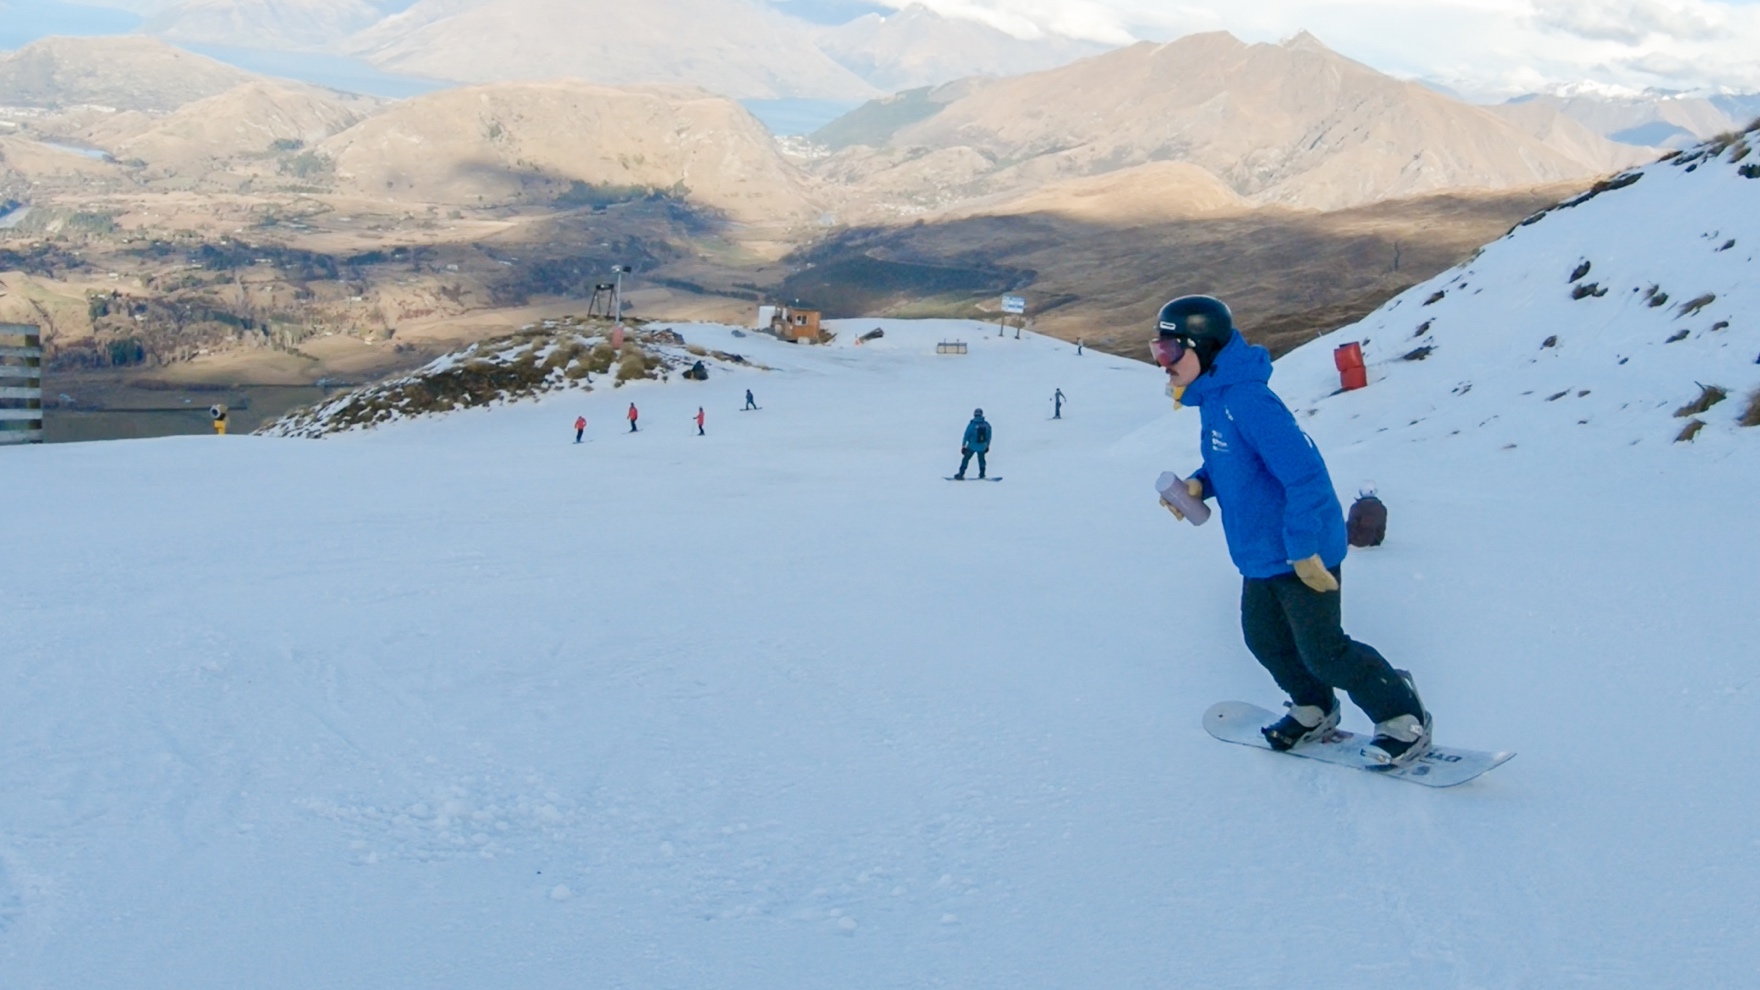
<point x="971" y="442"/>
<point x="1277" y="500"/>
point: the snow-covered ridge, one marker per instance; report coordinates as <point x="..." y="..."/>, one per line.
<point x="1614" y="317"/>
<point x="540" y="359"/>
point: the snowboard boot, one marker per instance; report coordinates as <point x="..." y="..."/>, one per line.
<point x="1302" y="724"/>
<point x="1402" y="740"/>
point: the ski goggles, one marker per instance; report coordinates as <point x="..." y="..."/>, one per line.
<point x="1167" y="351"/>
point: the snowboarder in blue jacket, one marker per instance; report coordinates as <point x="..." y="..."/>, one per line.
<point x="976" y="441"/>
<point x="1286" y="533"/>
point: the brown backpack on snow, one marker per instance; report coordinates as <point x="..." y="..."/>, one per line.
<point x="1366" y="525"/>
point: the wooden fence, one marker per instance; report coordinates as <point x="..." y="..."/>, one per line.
<point x="21" y="384"/>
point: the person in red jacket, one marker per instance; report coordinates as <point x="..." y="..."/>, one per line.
<point x="632" y="417"/>
<point x="580" y="427"/>
<point x="699" y="421"/>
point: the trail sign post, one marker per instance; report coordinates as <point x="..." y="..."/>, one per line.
<point x="1014" y="305"/>
<point x="21" y="384"/>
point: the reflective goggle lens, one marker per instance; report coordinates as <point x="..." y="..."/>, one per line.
<point x="1167" y="351"/>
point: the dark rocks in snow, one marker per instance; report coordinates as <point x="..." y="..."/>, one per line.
<point x="1588" y="289"/>
<point x="1436" y="297"/>
<point x="1696" y="304"/>
<point x="1551" y="341"/>
<point x="1605" y="185"/>
<point x="1682" y="335"/>
<point x="1709" y="395"/>
<point x="1419" y="354"/>
<point x="1578" y="272"/>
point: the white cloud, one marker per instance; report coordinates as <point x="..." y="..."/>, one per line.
<point x="1484" y="46"/>
<point x="1634" y="22"/>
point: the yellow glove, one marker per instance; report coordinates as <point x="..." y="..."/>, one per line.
<point x="1315" y="575"/>
<point x="1195" y="489"/>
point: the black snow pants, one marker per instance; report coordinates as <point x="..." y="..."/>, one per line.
<point x="1296" y="634"/>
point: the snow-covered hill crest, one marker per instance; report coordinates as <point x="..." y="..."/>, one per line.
<point x="1618" y="317"/>
<point x="540" y="359"/>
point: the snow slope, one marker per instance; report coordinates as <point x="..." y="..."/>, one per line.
<point x="457" y="703"/>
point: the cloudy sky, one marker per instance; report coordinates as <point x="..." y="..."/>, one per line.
<point x="1483" y="47"/>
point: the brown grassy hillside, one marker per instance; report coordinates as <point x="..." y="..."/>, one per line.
<point x="257" y="118"/>
<point x="529" y="143"/>
<point x="1289" y="275"/>
<point x="127" y="73"/>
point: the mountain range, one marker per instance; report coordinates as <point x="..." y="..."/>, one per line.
<point x="293" y="24"/>
<point x="1306" y="184"/>
<point x="916" y="47"/>
<point x="1664" y="120"/>
<point x="740" y="48"/>
<point x="1292" y="123"/>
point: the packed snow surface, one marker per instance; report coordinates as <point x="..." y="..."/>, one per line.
<point x="455" y="702"/>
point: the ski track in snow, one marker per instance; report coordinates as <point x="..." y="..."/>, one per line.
<point x="456" y="702"/>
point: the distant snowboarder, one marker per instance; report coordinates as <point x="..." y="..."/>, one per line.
<point x="1286" y="534"/>
<point x="977" y="441"/>
<point x="751" y="403"/>
<point x="632" y="414"/>
<point x="1057" y="403"/>
<point x="699" y="419"/>
<point x="1366" y="525"/>
<point x="580" y="427"/>
<point x="1078" y="347"/>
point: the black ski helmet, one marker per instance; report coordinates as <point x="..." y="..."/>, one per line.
<point x="977" y="414"/>
<point x="1202" y="322"/>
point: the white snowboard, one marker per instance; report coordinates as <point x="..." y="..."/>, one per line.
<point x="1239" y="722"/>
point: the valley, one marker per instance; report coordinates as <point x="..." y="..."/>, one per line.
<point x="177" y="223"/>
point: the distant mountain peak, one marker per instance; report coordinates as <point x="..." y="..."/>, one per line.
<point x="1305" y="41"/>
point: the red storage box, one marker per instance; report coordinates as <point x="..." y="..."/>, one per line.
<point x="1349" y="359"/>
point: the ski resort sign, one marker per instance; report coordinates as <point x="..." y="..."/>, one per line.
<point x="1014" y="305"/>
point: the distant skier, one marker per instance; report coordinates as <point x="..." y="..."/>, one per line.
<point x="1078" y="347"/>
<point x="699" y="419"/>
<point x="632" y="414"/>
<point x="580" y="427"/>
<point x="1366" y="524"/>
<point x="1286" y="534"/>
<point x="1057" y="403"/>
<point x="751" y="403"/>
<point x="977" y="441"/>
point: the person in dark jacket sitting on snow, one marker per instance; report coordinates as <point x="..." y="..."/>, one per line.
<point x="1286" y="533"/>
<point x="977" y="441"/>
